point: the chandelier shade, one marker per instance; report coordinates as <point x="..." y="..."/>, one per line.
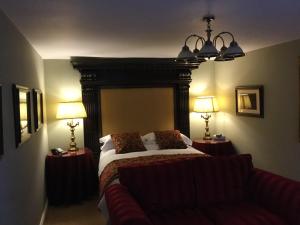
<point x="209" y="46"/>
<point x="208" y="50"/>
<point x="221" y="56"/>
<point x="234" y="50"/>
<point x="186" y="53"/>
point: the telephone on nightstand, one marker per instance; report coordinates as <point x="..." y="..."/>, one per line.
<point x="219" y="137"/>
<point x="58" y="151"/>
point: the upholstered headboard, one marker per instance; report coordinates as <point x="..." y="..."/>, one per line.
<point x="136" y="109"/>
<point x="163" y="81"/>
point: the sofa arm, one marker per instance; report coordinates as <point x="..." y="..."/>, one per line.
<point x="123" y="209"/>
<point x="278" y="194"/>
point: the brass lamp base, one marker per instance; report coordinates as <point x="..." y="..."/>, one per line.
<point x="207" y="138"/>
<point x="207" y="133"/>
<point x="73" y="149"/>
<point x="72" y="126"/>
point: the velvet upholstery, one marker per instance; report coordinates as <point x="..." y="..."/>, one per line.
<point x="127" y="212"/>
<point x="204" y="191"/>
<point x="180" y="217"/>
<point x="157" y="188"/>
<point x="276" y="193"/>
<point x="222" y="179"/>
<point x="242" y="214"/>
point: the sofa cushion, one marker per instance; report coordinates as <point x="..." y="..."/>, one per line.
<point x="221" y="179"/>
<point x="160" y="187"/>
<point x="242" y="214"/>
<point x="180" y="217"/>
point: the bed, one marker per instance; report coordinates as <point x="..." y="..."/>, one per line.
<point x="109" y="161"/>
<point x="133" y="94"/>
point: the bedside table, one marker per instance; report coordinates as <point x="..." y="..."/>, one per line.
<point x="214" y="148"/>
<point x="71" y="178"/>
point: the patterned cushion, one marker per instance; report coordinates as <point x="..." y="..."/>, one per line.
<point x="127" y="142"/>
<point x="169" y="139"/>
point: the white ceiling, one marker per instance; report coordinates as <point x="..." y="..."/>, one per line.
<point x="147" y="28"/>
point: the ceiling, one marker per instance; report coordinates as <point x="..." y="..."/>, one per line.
<point x="141" y="28"/>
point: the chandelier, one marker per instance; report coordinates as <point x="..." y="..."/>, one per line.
<point x="208" y="49"/>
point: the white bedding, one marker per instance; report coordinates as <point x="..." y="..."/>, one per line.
<point x="109" y="156"/>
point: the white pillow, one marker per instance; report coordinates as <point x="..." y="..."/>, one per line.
<point x="186" y="140"/>
<point x="107" y="143"/>
<point x="151" y="146"/>
<point x="150" y="139"/>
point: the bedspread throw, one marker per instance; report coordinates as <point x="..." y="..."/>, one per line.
<point x="110" y="172"/>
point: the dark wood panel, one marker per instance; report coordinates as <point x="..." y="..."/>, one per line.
<point x="98" y="73"/>
<point x="1" y="124"/>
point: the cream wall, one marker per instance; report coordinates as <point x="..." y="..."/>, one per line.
<point x="62" y="84"/>
<point x="22" y="186"/>
<point x="273" y="141"/>
<point x="203" y="83"/>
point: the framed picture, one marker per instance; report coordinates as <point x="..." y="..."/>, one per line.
<point x="38" y="113"/>
<point x="249" y="101"/>
<point x="22" y="113"/>
<point x="1" y="124"/>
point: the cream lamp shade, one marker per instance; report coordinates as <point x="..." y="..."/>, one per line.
<point x="70" y="110"/>
<point x="206" y="104"/>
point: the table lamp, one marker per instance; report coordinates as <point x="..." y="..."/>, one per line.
<point x="207" y="105"/>
<point x="71" y="110"/>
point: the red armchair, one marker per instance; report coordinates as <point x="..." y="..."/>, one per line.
<point x="203" y="191"/>
<point x="123" y="208"/>
<point x="277" y="194"/>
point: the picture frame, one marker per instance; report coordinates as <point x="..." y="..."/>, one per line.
<point x="22" y="113"/>
<point x="249" y="101"/>
<point x="38" y="113"/>
<point x="1" y="124"/>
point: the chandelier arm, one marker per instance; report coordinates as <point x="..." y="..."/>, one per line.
<point x="216" y="38"/>
<point x="202" y="41"/>
<point x="226" y="32"/>
<point x="190" y="36"/>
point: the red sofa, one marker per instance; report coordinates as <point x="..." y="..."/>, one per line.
<point x="203" y="191"/>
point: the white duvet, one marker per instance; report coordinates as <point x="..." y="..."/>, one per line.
<point x="109" y="156"/>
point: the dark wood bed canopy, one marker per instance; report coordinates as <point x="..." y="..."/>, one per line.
<point x="98" y="73"/>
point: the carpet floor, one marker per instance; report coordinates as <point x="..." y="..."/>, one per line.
<point x="86" y="213"/>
